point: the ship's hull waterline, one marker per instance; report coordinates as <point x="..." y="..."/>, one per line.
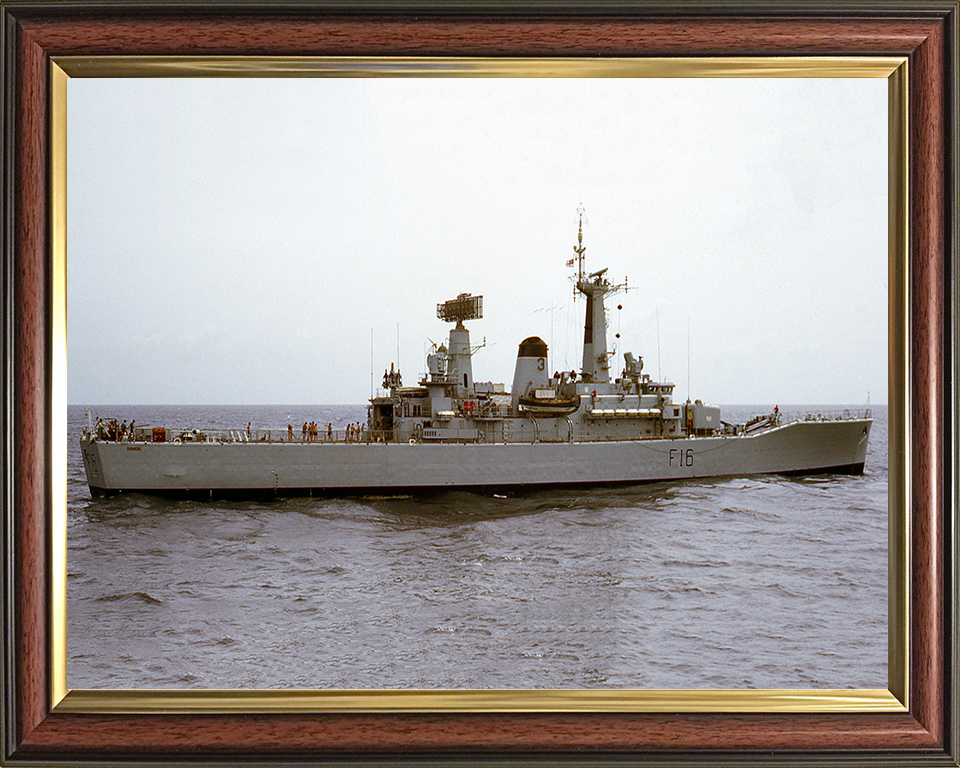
<point x="210" y="469"/>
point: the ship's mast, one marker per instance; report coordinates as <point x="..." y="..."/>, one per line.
<point x="579" y="248"/>
<point x="596" y="360"/>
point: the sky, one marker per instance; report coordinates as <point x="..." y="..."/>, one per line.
<point x="273" y="241"/>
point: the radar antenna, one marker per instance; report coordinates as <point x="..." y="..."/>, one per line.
<point x="464" y="307"/>
<point x="460" y="370"/>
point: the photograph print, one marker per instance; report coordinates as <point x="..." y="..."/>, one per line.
<point x="477" y="383"/>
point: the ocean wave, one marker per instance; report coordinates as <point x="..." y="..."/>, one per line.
<point x="697" y="563"/>
<point x="140" y="597"/>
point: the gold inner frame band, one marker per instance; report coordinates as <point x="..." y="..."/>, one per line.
<point x="894" y="69"/>
<point x="418" y="66"/>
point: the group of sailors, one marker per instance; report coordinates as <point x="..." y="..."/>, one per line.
<point x="114" y="430"/>
<point x="311" y="432"/>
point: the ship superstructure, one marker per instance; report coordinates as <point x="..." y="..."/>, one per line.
<point x="540" y="407"/>
<point x="549" y="429"/>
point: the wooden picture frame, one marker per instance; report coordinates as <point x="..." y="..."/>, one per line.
<point x="38" y="731"/>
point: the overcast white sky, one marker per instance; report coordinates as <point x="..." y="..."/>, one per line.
<point x="236" y="241"/>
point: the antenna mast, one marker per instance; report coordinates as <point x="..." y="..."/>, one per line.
<point x="659" y="374"/>
<point x="595" y="287"/>
<point x="579" y="249"/>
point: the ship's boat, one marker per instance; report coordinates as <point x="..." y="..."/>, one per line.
<point x="585" y="427"/>
<point x="544" y="402"/>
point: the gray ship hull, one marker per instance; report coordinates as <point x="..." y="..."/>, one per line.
<point x="300" y="468"/>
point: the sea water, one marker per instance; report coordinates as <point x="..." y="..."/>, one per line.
<point x="760" y="582"/>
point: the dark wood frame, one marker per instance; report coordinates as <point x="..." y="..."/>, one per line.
<point x="925" y="32"/>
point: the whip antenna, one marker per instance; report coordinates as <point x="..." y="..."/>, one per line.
<point x="659" y="375"/>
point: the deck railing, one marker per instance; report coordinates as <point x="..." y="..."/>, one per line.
<point x="845" y="414"/>
<point x="147" y="433"/>
<point x="150" y="434"/>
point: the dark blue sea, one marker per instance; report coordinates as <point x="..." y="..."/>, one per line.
<point x="762" y="582"/>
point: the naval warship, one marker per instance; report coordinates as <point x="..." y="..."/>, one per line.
<point x="560" y="429"/>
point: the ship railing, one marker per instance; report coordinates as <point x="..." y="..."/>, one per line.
<point x="150" y="434"/>
<point x="766" y="421"/>
<point x="845" y="414"/>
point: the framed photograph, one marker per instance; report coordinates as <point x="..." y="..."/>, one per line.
<point x="440" y="104"/>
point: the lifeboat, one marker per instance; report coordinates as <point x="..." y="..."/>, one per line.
<point x="543" y="404"/>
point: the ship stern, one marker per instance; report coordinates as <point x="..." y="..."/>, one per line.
<point x="93" y="466"/>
